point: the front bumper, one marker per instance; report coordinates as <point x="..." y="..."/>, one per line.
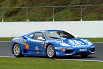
<point x="75" y="50"/>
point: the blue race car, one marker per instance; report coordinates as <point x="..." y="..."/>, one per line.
<point x="51" y="43"/>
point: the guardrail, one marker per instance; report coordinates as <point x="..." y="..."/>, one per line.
<point x="81" y="16"/>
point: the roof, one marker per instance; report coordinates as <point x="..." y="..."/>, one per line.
<point x="52" y="30"/>
<point x="47" y="30"/>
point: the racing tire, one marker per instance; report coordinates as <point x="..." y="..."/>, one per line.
<point x="84" y="55"/>
<point x="50" y="51"/>
<point x="17" y="50"/>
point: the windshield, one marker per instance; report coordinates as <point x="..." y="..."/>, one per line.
<point x="58" y="35"/>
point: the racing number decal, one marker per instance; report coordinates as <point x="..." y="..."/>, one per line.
<point x="44" y="44"/>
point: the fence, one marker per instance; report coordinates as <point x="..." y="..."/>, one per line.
<point x="53" y="10"/>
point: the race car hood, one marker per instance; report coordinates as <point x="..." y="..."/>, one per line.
<point x="74" y="42"/>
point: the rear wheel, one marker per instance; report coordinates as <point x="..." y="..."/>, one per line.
<point x="50" y="51"/>
<point x="84" y="55"/>
<point x="17" y="50"/>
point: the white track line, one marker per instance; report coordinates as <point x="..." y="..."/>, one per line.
<point x="80" y="60"/>
<point x="56" y="59"/>
<point x="8" y="56"/>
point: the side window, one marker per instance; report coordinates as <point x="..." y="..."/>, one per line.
<point x="38" y="36"/>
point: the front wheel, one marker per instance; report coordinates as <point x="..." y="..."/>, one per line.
<point x="17" y="50"/>
<point x="50" y="51"/>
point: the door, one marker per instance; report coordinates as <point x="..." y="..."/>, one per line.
<point x="36" y="43"/>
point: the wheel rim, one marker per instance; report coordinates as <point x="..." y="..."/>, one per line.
<point x="50" y="51"/>
<point x="16" y="49"/>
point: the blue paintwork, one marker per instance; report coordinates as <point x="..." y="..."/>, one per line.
<point x="35" y="45"/>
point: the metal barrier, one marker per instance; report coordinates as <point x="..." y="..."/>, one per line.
<point x="27" y="18"/>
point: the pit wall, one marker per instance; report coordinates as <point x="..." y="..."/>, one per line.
<point x="83" y="29"/>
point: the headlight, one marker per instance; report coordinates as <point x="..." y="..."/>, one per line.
<point x="87" y="41"/>
<point x="64" y="44"/>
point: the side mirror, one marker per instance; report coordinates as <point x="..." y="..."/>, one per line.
<point x="40" y="38"/>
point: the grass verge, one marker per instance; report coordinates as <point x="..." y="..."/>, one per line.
<point x="22" y="63"/>
<point x="6" y="38"/>
<point x="95" y="39"/>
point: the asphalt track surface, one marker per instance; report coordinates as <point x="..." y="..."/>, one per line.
<point x="5" y="51"/>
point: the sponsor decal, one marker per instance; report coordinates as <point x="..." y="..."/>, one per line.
<point x="36" y="48"/>
<point x="21" y="41"/>
<point x="57" y="53"/>
<point x="60" y="48"/>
